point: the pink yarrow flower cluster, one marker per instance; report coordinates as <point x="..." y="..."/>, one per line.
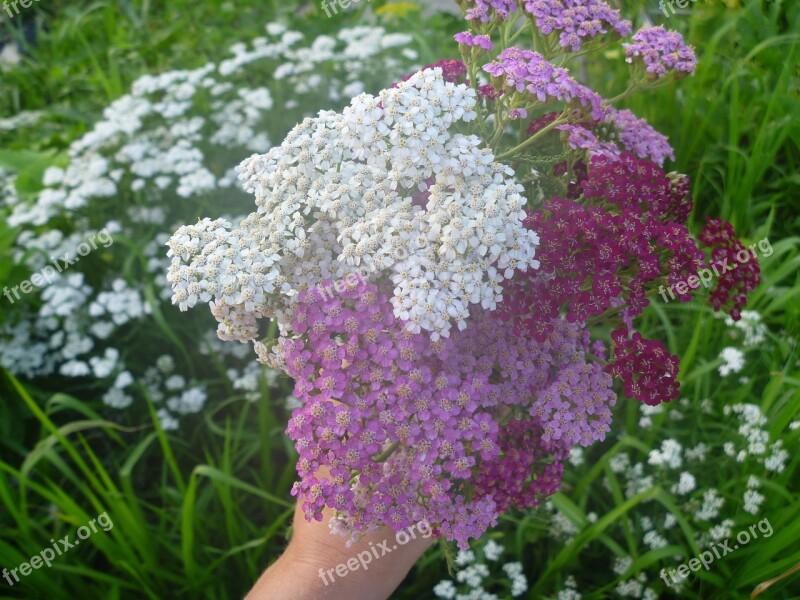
<point x="661" y="52"/>
<point x="466" y="38"/>
<point x="619" y="131"/>
<point x="576" y="20"/>
<point x="405" y="426"/>
<point x="486" y="10"/>
<point x="523" y="70"/>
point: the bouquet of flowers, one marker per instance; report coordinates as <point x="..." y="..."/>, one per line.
<point x="438" y="258"/>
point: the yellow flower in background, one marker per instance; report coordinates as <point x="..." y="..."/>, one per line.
<point x="396" y="10"/>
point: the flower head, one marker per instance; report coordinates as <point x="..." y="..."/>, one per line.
<point x="661" y="51"/>
<point x="576" y="20"/>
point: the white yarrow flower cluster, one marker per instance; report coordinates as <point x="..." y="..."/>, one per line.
<point x="387" y="187"/>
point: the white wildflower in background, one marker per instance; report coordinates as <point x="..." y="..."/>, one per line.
<point x="103" y="367"/>
<point x="464" y="558"/>
<point x="777" y="460"/>
<point x="166" y="420"/>
<point x="471" y="576"/>
<point x="576" y="456"/>
<point x="492" y="550"/>
<point x="519" y="583"/>
<point x="116" y="398"/>
<point x="621" y="564"/>
<point x="653" y="539"/>
<point x="698" y="453"/>
<point x="686" y="484"/>
<point x="711" y="505"/>
<point x="25" y="118"/>
<point x="121" y="304"/>
<point x="647" y="412"/>
<point x="570" y="591"/>
<point x="619" y="462"/>
<point x="733" y="361"/>
<point x="637" y="482"/>
<point x="752" y="429"/>
<point x="190" y="401"/>
<point x="751" y="326"/>
<point x="669" y="455"/>
<point x="753" y="501"/>
<point x="561" y="528"/>
<point x="632" y="588"/>
<point x="165" y="363"/>
<point x="718" y="532"/>
<point x="445" y="589"/>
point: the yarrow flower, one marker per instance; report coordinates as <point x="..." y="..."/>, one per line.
<point x="523" y="70"/>
<point x="434" y="308"/>
<point x="662" y="52"/>
<point x="406" y="424"/>
<point x="618" y="132"/>
<point x="588" y="250"/>
<point x="468" y="39"/>
<point x="739" y="271"/>
<point x="638" y="136"/>
<point x="338" y="196"/>
<point x="648" y="371"/>
<point x="484" y="10"/>
<point x="576" y="20"/>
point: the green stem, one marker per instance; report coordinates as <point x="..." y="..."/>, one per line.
<point x="560" y="121"/>
<point x="387" y="453"/>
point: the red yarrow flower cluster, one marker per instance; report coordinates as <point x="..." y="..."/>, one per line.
<point x="647" y="369"/>
<point x="738" y="277"/>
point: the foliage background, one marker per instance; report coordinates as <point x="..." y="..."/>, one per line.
<point x="200" y="511"/>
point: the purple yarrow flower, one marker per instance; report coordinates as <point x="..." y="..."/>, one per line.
<point x="577" y="20"/>
<point x="483" y="10"/>
<point x="418" y="421"/>
<point x="517" y="113"/>
<point x="468" y="39"/>
<point x="582" y="138"/>
<point x="661" y="51"/>
<point x="525" y="70"/>
<point x="639" y="137"/>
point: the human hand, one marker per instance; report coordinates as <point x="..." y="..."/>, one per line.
<point x="317" y="565"/>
